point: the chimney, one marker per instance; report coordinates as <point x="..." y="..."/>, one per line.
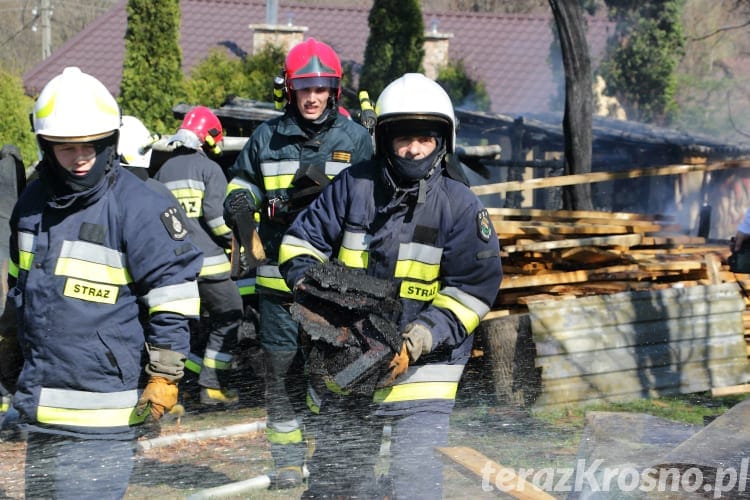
<point x="285" y="36"/>
<point x="435" y="50"/>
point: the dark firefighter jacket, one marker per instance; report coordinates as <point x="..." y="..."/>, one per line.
<point x="199" y="184"/>
<point x="82" y="268"/>
<point x="443" y="253"/>
<point x="278" y="151"/>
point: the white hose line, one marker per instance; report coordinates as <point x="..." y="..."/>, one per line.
<point x="256" y="483"/>
<point x="237" y="488"/>
<point x="230" y="430"/>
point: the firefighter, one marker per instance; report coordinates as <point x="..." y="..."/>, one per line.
<point x="199" y="184"/>
<point x="89" y="247"/>
<point x="282" y="168"/>
<point x="402" y="216"/>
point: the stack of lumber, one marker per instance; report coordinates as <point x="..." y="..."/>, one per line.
<point x="609" y="306"/>
<point x="563" y="254"/>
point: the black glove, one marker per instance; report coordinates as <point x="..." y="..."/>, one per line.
<point x="239" y="201"/>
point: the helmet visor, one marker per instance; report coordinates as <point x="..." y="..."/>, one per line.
<point x="314" y="82"/>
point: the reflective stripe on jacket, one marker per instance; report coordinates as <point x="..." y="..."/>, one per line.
<point x="443" y="252"/>
<point x="269" y="161"/>
<point x="83" y="272"/>
<point x="199" y="184"/>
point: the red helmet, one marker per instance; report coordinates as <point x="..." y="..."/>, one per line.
<point x="312" y="64"/>
<point x="204" y="124"/>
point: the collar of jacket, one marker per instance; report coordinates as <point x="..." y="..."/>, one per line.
<point x="289" y="125"/>
<point x="414" y="193"/>
<point x="80" y="199"/>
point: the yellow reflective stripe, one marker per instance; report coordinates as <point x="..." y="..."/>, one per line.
<point x="84" y="260"/>
<point x="217" y="360"/>
<point x="246" y="286"/>
<point x="181" y="298"/>
<point x="292" y="247"/>
<point x="283" y="437"/>
<point x="88" y="409"/>
<point x="415" y="392"/>
<point x="188" y="193"/>
<point x="89" y="418"/>
<point x="277" y="182"/>
<point x="92" y="272"/>
<point x="13" y="269"/>
<point x="469" y="309"/>
<point x="186" y="307"/>
<point x="353" y="250"/>
<point x="417" y="270"/>
<point x="311" y="404"/>
<point x="218" y="226"/>
<point x="194" y="363"/>
<point x="25" y="251"/>
<point x="4" y="404"/>
<point x="216" y="264"/>
<point x="278" y="174"/>
<point x="354" y="258"/>
<point x="273" y="283"/>
<point x="25" y="259"/>
<point x="418" y="261"/>
<point x="269" y="276"/>
<point x="332" y="386"/>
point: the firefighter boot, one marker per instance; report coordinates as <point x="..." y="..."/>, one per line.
<point x="217" y="397"/>
<point x="285" y="477"/>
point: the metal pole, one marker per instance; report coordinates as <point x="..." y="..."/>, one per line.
<point x="46" y="15"/>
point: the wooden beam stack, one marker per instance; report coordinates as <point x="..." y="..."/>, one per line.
<point x="561" y="254"/>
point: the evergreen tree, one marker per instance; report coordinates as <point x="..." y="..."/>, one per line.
<point x="463" y="90"/>
<point x="395" y="44"/>
<point x="152" y="80"/>
<point x="641" y="63"/>
<point x="220" y="76"/>
<point x="15" y="107"/>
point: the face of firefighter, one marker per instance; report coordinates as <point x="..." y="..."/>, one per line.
<point x="312" y="102"/>
<point x="414" y="148"/>
<point x="75" y="157"/>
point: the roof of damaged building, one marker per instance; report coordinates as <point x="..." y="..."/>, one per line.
<point x="510" y="54"/>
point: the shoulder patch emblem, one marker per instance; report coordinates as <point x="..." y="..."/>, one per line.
<point x="342" y="156"/>
<point x="174" y="224"/>
<point x="484" y="226"/>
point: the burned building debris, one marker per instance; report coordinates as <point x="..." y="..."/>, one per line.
<point x="349" y="321"/>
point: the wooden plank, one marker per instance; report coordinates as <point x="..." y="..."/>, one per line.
<point x="582" y="275"/>
<point x="506" y="228"/>
<point x="671" y="239"/>
<point x="730" y="390"/>
<point x="477" y="465"/>
<point x="642" y="357"/>
<point x="640" y="333"/>
<point x="713" y="268"/>
<point x="594" y="312"/>
<point x="540" y="214"/>
<point x="593" y="177"/>
<point x="676" y="378"/>
<point x="623" y="240"/>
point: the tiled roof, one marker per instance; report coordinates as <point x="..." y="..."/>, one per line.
<point x="509" y="53"/>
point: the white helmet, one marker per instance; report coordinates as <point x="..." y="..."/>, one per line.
<point x="415" y="97"/>
<point x="75" y="107"/>
<point x="134" y="146"/>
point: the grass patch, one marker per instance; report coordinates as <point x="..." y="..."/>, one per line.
<point x="689" y="408"/>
